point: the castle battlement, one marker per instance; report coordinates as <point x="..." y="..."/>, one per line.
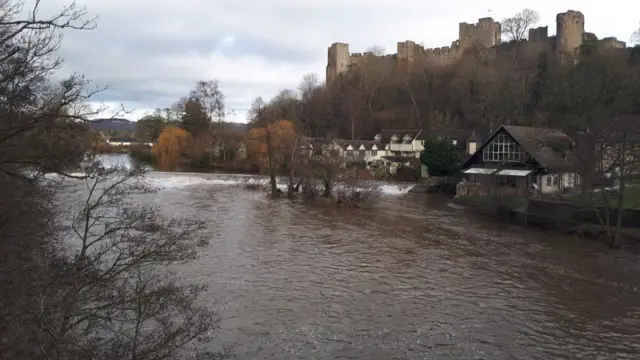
<point x="486" y="33"/>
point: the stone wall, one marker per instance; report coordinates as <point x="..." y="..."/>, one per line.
<point x="486" y="33"/>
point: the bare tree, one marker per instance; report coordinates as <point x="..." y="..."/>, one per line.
<point x="618" y="159"/>
<point x="108" y="299"/>
<point x="211" y="99"/>
<point x="517" y="26"/>
<point x="635" y="37"/>
<point x="261" y="117"/>
<point x="377" y="50"/>
<point x="111" y="294"/>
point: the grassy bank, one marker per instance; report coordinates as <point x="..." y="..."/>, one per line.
<point x="630" y="199"/>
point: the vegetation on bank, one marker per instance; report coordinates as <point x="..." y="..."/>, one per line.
<point x="440" y="157"/>
<point x="84" y="274"/>
<point x="630" y="199"/>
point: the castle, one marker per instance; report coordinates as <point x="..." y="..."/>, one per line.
<point x="570" y="35"/>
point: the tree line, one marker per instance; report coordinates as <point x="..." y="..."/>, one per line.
<point x="83" y="269"/>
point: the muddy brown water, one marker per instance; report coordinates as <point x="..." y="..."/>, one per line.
<point x="412" y="279"/>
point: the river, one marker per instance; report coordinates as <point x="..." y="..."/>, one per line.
<point x="411" y="279"/>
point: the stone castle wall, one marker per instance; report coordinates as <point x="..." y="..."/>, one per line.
<point x="486" y="33"/>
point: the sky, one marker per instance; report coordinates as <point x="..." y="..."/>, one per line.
<point x="152" y="52"/>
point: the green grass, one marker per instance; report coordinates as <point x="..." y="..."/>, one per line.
<point x="630" y="200"/>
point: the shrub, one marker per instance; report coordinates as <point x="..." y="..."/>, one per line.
<point x="440" y="157"/>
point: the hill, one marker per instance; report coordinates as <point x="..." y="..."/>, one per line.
<point x="112" y="125"/>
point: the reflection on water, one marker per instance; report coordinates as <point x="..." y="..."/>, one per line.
<point x="412" y="279"/>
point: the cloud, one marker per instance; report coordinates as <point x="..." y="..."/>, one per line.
<point x="228" y="40"/>
<point x="152" y="52"/>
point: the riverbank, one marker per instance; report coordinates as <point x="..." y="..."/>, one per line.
<point x="515" y="210"/>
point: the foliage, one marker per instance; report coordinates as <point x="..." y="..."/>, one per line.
<point x="173" y="144"/>
<point x="148" y="128"/>
<point x="282" y="135"/>
<point x="142" y="155"/>
<point x="440" y="156"/>
<point x="194" y="119"/>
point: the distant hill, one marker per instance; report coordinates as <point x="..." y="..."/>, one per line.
<point x="236" y="127"/>
<point x="127" y="125"/>
<point x="112" y="125"/>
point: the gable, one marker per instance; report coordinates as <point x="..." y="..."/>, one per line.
<point x="502" y="147"/>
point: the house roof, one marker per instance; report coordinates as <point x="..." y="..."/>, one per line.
<point x="356" y="144"/>
<point x="478" y="134"/>
<point x="551" y="148"/>
<point x="386" y="135"/>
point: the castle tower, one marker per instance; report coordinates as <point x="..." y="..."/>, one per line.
<point x="569" y="32"/>
<point x="406" y="56"/>
<point x="486" y="33"/>
<point x="337" y="60"/>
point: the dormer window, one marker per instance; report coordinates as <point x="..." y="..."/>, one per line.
<point x="394" y="139"/>
<point x="362" y="147"/>
<point x="407" y="138"/>
<point x="378" y="137"/>
<point x="472" y="147"/>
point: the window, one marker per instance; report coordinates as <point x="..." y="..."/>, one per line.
<point x="555" y="180"/>
<point x="472" y="147"/>
<point x="454" y="142"/>
<point x="367" y="153"/>
<point x="504" y="149"/>
<point x="548" y="180"/>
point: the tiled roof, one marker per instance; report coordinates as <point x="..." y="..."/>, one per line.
<point x="386" y="135"/>
<point x="552" y="149"/>
<point x="357" y="144"/>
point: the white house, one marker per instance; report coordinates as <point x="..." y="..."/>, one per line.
<point x="401" y="143"/>
<point x="125" y="142"/>
<point x="361" y="150"/>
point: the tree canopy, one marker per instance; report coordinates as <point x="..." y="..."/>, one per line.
<point x="281" y="137"/>
<point x="440" y="156"/>
<point x="172" y="143"/>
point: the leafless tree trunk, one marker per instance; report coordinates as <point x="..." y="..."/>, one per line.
<point x="292" y="166"/>
<point x="114" y="297"/>
<point x="517" y="26"/>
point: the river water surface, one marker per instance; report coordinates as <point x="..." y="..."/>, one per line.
<point x="411" y="279"/>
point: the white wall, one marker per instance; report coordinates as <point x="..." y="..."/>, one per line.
<point x="553" y="183"/>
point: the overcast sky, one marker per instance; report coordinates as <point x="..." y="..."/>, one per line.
<point x="152" y="52"/>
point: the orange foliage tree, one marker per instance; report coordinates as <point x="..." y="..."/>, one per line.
<point x="280" y="137"/>
<point x="173" y="142"/>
